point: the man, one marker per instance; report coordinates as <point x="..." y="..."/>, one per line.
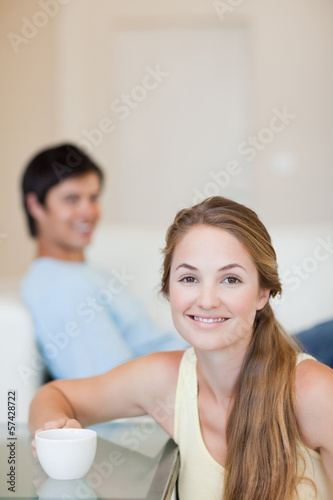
<point x="61" y="188"/>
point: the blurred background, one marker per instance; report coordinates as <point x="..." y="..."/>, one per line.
<point x="177" y="100"/>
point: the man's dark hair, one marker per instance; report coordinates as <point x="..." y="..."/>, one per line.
<point x="50" y="167"/>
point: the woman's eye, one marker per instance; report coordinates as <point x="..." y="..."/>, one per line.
<point x="232" y="280"/>
<point x="189" y="279"/>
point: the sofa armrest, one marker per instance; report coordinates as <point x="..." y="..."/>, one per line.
<point x="21" y="366"/>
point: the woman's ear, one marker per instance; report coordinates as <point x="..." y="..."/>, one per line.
<point x="264" y="294"/>
<point x="35" y="209"/>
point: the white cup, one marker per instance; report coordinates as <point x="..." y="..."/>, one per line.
<point x="66" y="453"/>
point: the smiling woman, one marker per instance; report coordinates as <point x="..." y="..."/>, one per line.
<point x="219" y="271"/>
<point x="208" y="287"/>
<point x="250" y="413"/>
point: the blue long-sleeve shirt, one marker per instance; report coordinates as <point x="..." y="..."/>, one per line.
<point x="85" y="320"/>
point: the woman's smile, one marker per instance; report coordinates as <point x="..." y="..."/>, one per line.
<point x="207" y="321"/>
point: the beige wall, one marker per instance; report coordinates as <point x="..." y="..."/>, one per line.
<point x="27" y="122"/>
<point x="59" y="83"/>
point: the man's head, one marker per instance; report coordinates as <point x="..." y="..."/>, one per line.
<point x="60" y="188"/>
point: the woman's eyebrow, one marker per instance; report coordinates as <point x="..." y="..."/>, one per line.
<point x="224" y="268"/>
<point x="231" y="266"/>
<point x="187" y="266"/>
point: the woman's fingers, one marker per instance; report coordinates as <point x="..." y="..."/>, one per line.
<point x="72" y="423"/>
<point x="56" y="424"/>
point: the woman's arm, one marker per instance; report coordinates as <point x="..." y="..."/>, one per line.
<point x="138" y="387"/>
<point x="314" y="398"/>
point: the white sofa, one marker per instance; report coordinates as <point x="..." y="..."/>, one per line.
<point x="305" y="260"/>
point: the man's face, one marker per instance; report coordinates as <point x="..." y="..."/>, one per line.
<point x="70" y="214"/>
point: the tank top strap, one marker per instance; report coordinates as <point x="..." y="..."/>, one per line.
<point x="189" y="372"/>
<point x="302" y="356"/>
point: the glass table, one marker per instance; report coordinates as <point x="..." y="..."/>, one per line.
<point x="135" y="460"/>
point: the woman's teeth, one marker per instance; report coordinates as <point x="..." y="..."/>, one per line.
<point x="209" y="320"/>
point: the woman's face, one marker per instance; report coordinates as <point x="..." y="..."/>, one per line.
<point x="214" y="289"/>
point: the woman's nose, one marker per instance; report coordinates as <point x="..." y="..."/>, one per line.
<point x="208" y="297"/>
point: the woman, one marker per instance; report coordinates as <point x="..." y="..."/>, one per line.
<point x="251" y="414"/>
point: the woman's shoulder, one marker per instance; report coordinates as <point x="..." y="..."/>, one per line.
<point x="159" y="377"/>
<point x="311" y="376"/>
<point x="166" y="359"/>
<point x="161" y="367"/>
<point x="314" y="400"/>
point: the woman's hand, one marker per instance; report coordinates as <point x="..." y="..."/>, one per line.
<point x="62" y="423"/>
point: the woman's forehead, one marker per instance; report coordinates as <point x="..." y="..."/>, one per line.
<point x="203" y="243"/>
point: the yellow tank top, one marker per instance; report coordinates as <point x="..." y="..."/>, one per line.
<point x="201" y="477"/>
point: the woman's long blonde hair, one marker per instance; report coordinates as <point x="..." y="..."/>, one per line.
<point x="262" y="431"/>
